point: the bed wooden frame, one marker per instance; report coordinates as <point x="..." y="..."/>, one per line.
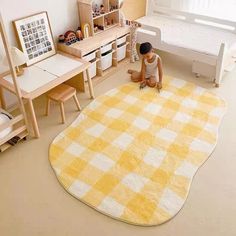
<point x="203" y="64"/>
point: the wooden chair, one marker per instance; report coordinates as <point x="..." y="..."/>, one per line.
<point x="61" y="94"/>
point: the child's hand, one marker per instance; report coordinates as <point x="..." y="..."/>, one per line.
<point x="159" y="85"/>
<point x="142" y="85"/>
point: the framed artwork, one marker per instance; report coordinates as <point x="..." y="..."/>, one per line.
<point x="35" y="37"/>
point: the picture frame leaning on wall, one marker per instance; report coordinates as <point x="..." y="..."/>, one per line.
<point x="34" y="35"/>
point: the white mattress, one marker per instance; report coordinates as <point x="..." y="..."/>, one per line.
<point x="196" y="37"/>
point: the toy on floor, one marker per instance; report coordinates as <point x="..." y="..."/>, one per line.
<point x="144" y="84"/>
<point x="134" y="34"/>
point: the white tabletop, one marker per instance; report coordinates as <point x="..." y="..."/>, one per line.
<point x="32" y="79"/>
<point x="44" y="72"/>
<point x="58" y="65"/>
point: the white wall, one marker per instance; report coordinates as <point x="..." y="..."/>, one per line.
<point x="163" y="3"/>
<point x="63" y="15"/>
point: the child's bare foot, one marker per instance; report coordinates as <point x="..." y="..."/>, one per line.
<point x="130" y="71"/>
<point x="151" y="84"/>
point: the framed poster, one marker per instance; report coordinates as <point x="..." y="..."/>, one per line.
<point x="35" y="37"/>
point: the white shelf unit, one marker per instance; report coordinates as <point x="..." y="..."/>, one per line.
<point x="107" y="49"/>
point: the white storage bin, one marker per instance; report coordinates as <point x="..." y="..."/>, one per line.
<point x="121" y="40"/>
<point x="93" y="69"/>
<point x="106" y="48"/>
<point x="106" y="61"/>
<point x="90" y="56"/>
<point x="121" y="52"/>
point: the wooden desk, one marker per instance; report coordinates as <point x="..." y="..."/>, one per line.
<point x="44" y="76"/>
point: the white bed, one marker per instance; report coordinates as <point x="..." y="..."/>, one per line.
<point x="210" y="47"/>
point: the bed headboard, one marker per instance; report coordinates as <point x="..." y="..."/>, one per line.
<point x="153" y="9"/>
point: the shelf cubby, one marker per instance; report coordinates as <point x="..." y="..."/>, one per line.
<point x="110" y="18"/>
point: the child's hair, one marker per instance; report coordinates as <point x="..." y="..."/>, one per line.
<point x="145" y="48"/>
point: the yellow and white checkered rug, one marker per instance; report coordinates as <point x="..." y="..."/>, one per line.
<point x="132" y="154"/>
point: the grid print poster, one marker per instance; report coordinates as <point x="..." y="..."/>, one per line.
<point x="35" y="37"/>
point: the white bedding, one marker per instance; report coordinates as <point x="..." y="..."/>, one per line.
<point x="199" y="38"/>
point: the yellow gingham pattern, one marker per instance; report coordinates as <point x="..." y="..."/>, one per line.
<point x="132" y="154"/>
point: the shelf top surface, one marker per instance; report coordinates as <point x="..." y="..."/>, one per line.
<point x="101" y="38"/>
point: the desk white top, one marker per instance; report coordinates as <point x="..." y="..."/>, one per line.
<point x="32" y="79"/>
<point x="58" y="65"/>
<point x="44" y="72"/>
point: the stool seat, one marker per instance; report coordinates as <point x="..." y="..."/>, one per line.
<point x="61" y="94"/>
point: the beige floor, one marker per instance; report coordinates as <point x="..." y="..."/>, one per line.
<point x="32" y="202"/>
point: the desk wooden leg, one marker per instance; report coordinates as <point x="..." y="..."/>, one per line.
<point x="48" y="106"/>
<point x="90" y="85"/>
<point x="33" y="118"/>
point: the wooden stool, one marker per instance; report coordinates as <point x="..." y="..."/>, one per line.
<point x="61" y="94"/>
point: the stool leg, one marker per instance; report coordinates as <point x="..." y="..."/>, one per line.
<point x="48" y="107"/>
<point x="62" y="112"/>
<point x="77" y="102"/>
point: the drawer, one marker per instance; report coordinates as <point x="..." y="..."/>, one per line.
<point x="121" y="40"/>
<point x="121" y="52"/>
<point x="106" y="48"/>
<point x="106" y="61"/>
<point x="90" y="56"/>
<point x="92" y="69"/>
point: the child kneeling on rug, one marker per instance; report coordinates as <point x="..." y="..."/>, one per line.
<point x="151" y="71"/>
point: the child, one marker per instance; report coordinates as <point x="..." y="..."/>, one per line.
<point x="151" y="72"/>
